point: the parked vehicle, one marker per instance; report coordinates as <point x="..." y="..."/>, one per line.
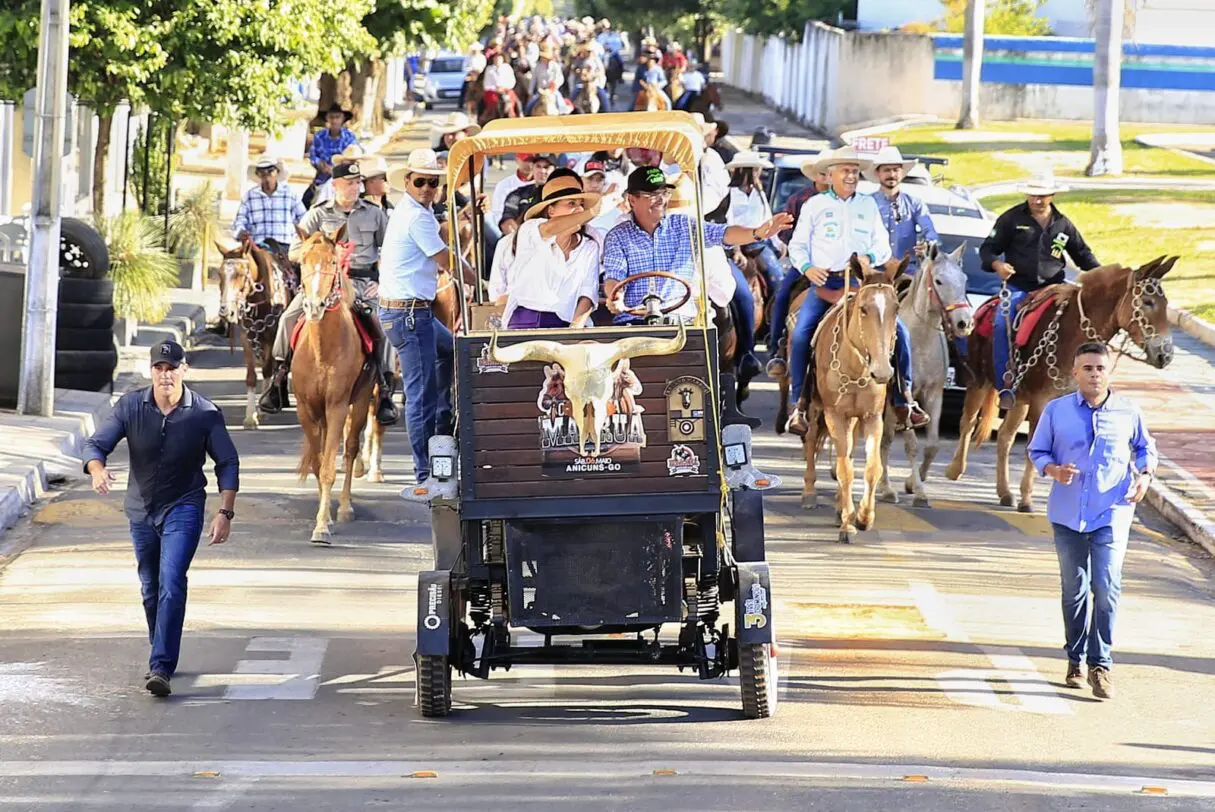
<point x="440" y="81"/>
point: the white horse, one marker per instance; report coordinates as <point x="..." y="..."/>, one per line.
<point x="935" y="309"/>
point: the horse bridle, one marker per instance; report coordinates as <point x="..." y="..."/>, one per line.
<point x="1137" y="289"/>
<point x="946" y="309"/>
<point x="834" y="365"/>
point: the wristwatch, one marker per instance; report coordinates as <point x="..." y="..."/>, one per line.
<point x="230" y="514"/>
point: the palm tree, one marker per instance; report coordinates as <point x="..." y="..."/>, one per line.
<point x="972" y="64"/>
<point x="1105" y="156"/>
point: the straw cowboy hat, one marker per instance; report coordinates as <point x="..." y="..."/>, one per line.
<point x="843" y="155"/>
<point x="268" y="162"/>
<point x="420" y="162"/>
<point x="746" y="159"/>
<point x="683" y="198"/>
<point x="349" y="155"/>
<point x="706" y="127"/>
<point x="373" y="166"/>
<point x="888" y="156"/>
<point x="546" y="49"/>
<point x="457" y="122"/>
<point x="1041" y="185"/>
<point x="566" y="187"/>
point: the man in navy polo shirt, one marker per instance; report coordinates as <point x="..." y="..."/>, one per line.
<point x="170" y="430"/>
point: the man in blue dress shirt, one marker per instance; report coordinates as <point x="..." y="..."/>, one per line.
<point x="1094" y="444"/>
<point x="170" y="431"/>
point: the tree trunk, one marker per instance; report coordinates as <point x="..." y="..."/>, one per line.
<point x="1105" y="156"/>
<point x="972" y="64"/>
<point x="382" y="106"/>
<point x="369" y="90"/>
<point x="104" y="122"/>
<point x="334" y="89"/>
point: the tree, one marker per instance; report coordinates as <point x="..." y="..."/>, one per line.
<point x="972" y="65"/>
<point x="1011" y="18"/>
<point x="784" y="18"/>
<point x="1105" y="157"/>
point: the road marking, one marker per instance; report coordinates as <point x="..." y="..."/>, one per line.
<point x="1028" y="691"/>
<point x="295" y="677"/>
<point x="225" y="795"/>
<point x="455" y="771"/>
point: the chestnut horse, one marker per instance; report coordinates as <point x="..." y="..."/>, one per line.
<point x="1108" y="300"/>
<point x="852" y="364"/>
<point x="255" y="295"/>
<point x="333" y="384"/>
<point x="650" y="99"/>
<point x="706" y="102"/>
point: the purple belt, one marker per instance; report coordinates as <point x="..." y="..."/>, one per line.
<point x="524" y="318"/>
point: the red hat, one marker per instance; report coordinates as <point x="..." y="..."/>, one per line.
<point x="592" y="167"/>
<point x="525" y="156"/>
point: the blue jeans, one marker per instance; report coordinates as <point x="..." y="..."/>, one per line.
<point x="744" y="308"/>
<point x="769" y="266"/>
<point x="1090" y="572"/>
<point x="425" y="348"/>
<point x="812" y="312"/>
<point x="999" y="348"/>
<point x="162" y="555"/>
<point x="780" y="308"/>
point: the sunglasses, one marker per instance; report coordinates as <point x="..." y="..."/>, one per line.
<point x="433" y="183"/>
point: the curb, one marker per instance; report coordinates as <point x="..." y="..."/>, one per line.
<point x="1200" y="329"/>
<point x="1181" y="513"/>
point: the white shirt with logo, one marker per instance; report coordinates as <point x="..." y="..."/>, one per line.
<point x="830" y="230"/>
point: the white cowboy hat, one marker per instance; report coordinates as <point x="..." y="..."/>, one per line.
<point x="349" y="155"/>
<point x="457" y="122"/>
<point x="1041" y="185"/>
<point x="266" y="162"/>
<point x="809" y="166"/>
<point x="706" y="127"/>
<point x="746" y="159"/>
<point x="844" y="155"/>
<point x="420" y="162"/>
<point x="888" y="156"/>
<point x="373" y="165"/>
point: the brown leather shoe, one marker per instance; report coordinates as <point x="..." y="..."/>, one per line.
<point x="1099" y="679"/>
<point x="1075" y="677"/>
<point x="910" y="416"/>
<point x="797" y="424"/>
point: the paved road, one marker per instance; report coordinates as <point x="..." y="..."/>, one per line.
<point x="929" y="649"/>
<point x="921" y="669"/>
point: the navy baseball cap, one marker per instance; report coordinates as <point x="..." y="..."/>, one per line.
<point x="168" y="352"/>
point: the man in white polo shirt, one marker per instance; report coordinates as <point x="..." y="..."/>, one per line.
<point x="413" y="252"/>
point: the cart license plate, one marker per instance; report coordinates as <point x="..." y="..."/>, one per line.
<point x="951" y="376"/>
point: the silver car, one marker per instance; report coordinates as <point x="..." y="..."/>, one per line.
<point x="440" y="81"/>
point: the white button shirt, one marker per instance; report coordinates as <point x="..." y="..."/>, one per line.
<point x="830" y="230"/>
<point x="748" y="210"/>
<point x="540" y="277"/>
<point x="408" y="269"/>
<point x="714" y="180"/>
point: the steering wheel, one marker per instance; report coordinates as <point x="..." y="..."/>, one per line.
<point x="644" y="310"/>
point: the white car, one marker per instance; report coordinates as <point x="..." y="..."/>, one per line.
<point x="441" y="81"/>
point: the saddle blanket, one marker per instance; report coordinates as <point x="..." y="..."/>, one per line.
<point x="366" y="340"/>
<point x="985" y="319"/>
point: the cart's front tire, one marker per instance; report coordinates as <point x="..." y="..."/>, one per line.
<point x="434" y="685"/>
<point x="757" y="675"/>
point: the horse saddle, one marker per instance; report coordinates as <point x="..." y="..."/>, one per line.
<point x="364" y="336"/>
<point x="1028" y="314"/>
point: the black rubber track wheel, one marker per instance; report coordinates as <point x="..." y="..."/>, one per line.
<point x="434" y="685"/>
<point x="758" y="678"/>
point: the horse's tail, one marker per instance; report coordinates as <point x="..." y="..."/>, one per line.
<point x="989" y="411"/>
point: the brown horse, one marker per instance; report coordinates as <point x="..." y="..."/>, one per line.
<point x="1109" y="299"/>
<point x="650" y="99"/>
<point x="706" y="101"/>
<point x="333" y="383"/>
<point x="748" y="263"/>
<point x="852" y="362"/>
<point x="254" y="295"/>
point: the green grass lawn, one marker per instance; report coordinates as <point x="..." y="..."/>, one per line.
<point x="1116" y="237"/>
<point x="972" y="164"/>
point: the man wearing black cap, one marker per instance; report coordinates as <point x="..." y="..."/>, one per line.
<point x="365" y="223"/>
<point x="170" y="430"/>
<point x="523" y="198"/>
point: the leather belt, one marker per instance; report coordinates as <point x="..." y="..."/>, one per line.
<point x="366" y="272"/>
<point x="404" y="304"/>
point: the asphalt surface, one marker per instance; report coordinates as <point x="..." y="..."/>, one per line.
<point x="921" y="668"/>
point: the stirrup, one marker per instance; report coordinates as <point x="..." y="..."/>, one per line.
<point x="1008" y="399"/>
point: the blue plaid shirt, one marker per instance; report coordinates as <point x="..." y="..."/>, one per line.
<point x="325" y="146"/>
<point x="628" y="250"/>
<point x="266" y="216"/>
<point x="907" y="221"/>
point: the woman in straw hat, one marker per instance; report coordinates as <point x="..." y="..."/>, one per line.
<point x="749" y="207"/>
<point x="457" y="126"/>
<point x="1026" y="249"/>
<point x="553" y="280"/>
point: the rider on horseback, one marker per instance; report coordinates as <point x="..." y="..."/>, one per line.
<point x="474" y="64"/>
<point x="651" y="76"/>
<point x="833" y="226"/>
<point x="365" y="224"/>
<point x="546" y="75"/>
<point x="1032" y="238"/>
<point x="499" y="80"/>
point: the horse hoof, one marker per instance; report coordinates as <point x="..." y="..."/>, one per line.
<point x="359" y="469"/>
<point x="891" y="497"/>
<point x="1025" y="507"/>
<point x="1006" y="501"/>
<point x="921" y="501"/>
<point x="810" y="501"/>
<point x="847" y="534"/>
<point x="320" y="537"/>
<point x="345" y="515"/>
<point x="375" y="476"/>
<point x="864" y="522"/>
<point x="954" y="472"/>
<point x="908" y="487"/>
<point x="250" y="423"/>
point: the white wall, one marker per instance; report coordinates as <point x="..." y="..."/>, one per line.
<point x="1179" y="22"/>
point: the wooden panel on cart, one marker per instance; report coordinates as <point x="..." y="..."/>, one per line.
<point x="518" y="439"/>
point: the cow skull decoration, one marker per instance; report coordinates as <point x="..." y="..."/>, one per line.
<point x="588" y="372"/>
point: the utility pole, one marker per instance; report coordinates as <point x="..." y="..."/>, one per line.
<point x="36" y="390"/>
<point x="1105" y="156"/>
<point x="972" y="64"/>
